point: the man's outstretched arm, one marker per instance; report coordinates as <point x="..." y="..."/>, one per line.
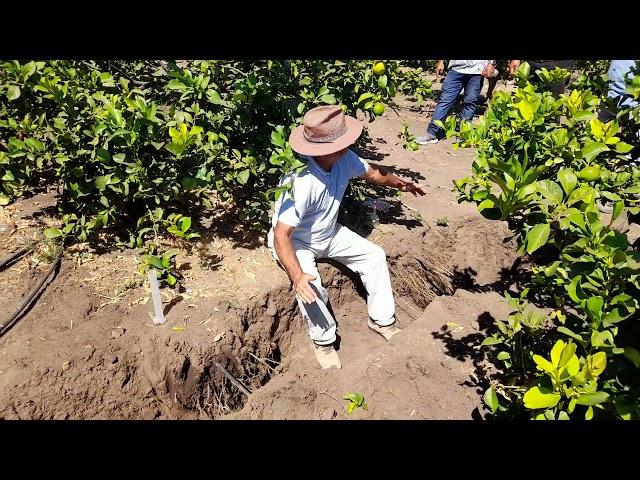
<point x="379" y="176"/>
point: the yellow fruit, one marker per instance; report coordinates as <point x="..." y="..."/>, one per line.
<point x="378" y="108"/>
<point x="589" y="173"/>
<point x="379" y="68"/>
<point x="413" y="146"/>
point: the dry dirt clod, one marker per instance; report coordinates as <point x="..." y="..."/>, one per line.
<point x="149" y="413"/>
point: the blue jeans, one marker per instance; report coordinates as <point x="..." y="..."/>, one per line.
<point x="453" y="84"/>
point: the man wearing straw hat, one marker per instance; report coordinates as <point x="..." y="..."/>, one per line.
<point x="305" y="227"/>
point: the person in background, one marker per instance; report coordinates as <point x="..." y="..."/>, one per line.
<point x="464" y="75"/>
<point x="617" y="93"/>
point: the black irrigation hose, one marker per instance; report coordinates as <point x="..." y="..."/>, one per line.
<point x="14" y="256"/>
<point x="6" y="326"/>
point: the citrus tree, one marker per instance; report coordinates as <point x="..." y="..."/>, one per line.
<point x="139" y="147"/>
<point x="551" y="168"/>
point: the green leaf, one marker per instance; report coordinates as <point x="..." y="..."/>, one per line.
<point x="568" y="332"/>
<point x="567" y="179"/>
<point x="543" y="364"/>
<point x="27" y="70"/>
<point x="568" y="353"/>
<point x="243" y="176"/>
<point x="537" y="237"/>
<point x="365" y="96"/>
<point x="171" y="280"/>
<point x="550" y="190"/>
<point x="536" y="398"/>
<point x="594" y="304"/>
<point x="583" y="115"/>
<point x="119" y="157"/>
<point x="277" y="139"/>
<point x="171" y="253"/>
<point x="185" y="223"/>
<point x="154" y="261"/>
<point x="591" y="150"/>
<point x="594" y="398"/>
<point x="101" y="182"/>
<point x="623" y="147"/>
<point x="491" y="399"/>
<point x="574" y="289"/>
<point x="616" y="240"/>
<point x="526" y="109"/>
<point x="490" y="341"/>
<point x="588" y="415"/>
<point x="556" y="353"/>
<point x="582" y="194"/>
<point x="573" y="365"/>
<point x="175" y="148"/>
<point x="504" y="356"/>
<point x="103" y="155"/>
<point x="597" y="363"/>
<point x="328" y="99"/>
<point x="4" y="200"/>
<point x="51" y="233"/>
<point x="13" y="92"/>
<point x="563" y="416"/>
<point x="633" y="355"/>
<point x="618" y="207"/>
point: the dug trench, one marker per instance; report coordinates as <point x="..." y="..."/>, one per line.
<point x="113" y="363"/>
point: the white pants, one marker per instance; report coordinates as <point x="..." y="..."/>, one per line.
<point x="364" y="258"/>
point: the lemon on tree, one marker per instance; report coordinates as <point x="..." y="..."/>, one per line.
<point x="379" y="68"/>
<point x="378" y="109"/>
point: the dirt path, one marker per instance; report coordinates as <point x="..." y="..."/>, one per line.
<point x="88" y="348"/>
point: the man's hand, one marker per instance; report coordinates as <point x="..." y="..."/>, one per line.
<point x="289" y="260"/>
<point x="380" y="176"/>
<point x="513" y="66"/>
<point x="410" y="187"/>
<point x="488" y="71"/>
<point x="440" y="67"/>
<point x="303" y="289"/>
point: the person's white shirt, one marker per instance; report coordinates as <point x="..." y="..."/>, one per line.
<point x="469" y="67"/>
<point x="313" y="204"/>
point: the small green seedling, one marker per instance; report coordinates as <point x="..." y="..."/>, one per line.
<point x="163" y="263"/>
<point x="442" y="222"/>
<point x="355" y="400"/>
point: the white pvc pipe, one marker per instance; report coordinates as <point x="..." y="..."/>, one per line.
<point x="159" y="319"/>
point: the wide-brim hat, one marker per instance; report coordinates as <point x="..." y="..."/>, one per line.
<point x="325" y="130"/>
